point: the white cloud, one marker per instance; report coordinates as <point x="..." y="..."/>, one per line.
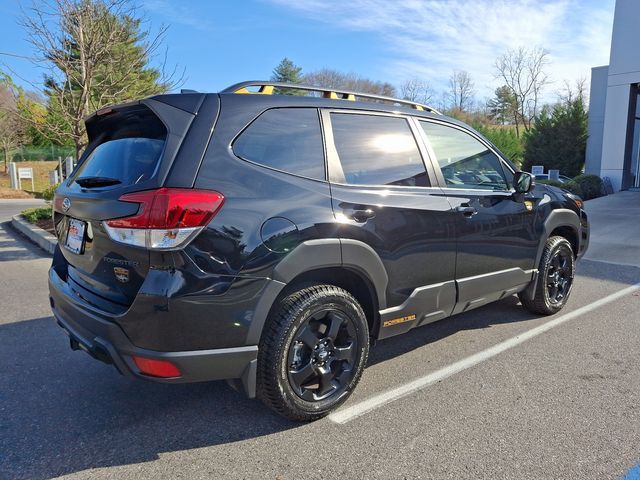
<point x="431" y="38"/>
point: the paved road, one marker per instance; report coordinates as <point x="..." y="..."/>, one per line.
<point x="8" y="208"/>
<point x="564" y="404"/>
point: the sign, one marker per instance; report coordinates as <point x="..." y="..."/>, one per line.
<point x="25" y="174"/>
<point x="554" y="174"/>
<point x="53" y="177"/>
<point x="537" y="170"/>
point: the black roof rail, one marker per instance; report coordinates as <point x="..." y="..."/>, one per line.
<point x="268" y="88"/>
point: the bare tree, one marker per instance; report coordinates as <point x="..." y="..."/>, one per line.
<point x="570" y="93"/>
<point x="329" y="78"/>
<point x="461" y="91"/>
<point x="95" y="55"/>
<point x="11" y="127"/>
<point x="416" y="90"/>
<point x="522" y="71"/>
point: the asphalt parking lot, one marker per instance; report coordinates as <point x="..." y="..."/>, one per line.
<point x="475" y="396"/>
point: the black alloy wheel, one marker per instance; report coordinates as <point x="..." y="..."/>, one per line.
<point x="322" y="355"/>
<point x="555" y="278"/>
<point x="559" y="276"/>
<point x="312" y="352"/>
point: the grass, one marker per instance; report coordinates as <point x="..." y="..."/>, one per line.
<point x="33" y="215"/>
<point x="41" y="171"/>
<point x="41" y="217"/>
<point x="11" y="193"/>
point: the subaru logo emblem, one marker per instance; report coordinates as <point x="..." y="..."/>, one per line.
<point x="66" y="204"/>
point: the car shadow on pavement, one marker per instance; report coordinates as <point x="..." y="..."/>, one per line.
<point x="62" y="412"/>
<point x="18" y="254"/>
<point x="15" y="246"/>
<point x="508" y="310"/>
<point x="504" y="311"/>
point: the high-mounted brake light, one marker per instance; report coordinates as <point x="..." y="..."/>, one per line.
<point x="167" y="219"/>
<point x="104" y="111"/>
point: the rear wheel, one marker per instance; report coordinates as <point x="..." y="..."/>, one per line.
<point x="555" y="278"/>
<point x="312" y="352"/>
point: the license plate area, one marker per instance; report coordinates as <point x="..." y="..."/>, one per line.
<point x="74" y="241"/>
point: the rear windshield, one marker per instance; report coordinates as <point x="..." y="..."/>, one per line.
<point x="127" y="149"/>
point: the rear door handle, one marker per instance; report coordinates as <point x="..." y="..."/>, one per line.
<point x="362" y="215"/>
<point x="466" y="210"/>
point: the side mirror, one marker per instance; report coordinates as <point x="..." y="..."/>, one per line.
<point x="523" y="182"/>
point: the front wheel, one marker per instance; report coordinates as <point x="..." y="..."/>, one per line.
<point x="555" y="278"/>
<point x="312" y="352"/>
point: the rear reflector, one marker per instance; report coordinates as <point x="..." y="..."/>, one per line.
<point x="168" y="218"/>
<point x="156" y="368"/>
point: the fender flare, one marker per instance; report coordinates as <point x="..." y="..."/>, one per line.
<point x="562" y="217"/>
<point x="313" y="255"/>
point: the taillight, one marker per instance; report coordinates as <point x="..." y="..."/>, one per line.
<point x="167" y="219"/>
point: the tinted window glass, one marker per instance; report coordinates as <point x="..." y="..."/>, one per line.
<point x="377" y="150"/>
<point x="129" y="151"/>
<point x="465" y="161"/>
<point x="288" y="139"/>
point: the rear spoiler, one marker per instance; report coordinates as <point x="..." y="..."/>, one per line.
<point x="187" y="102"/>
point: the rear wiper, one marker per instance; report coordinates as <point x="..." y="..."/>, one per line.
<point x="90" y="182"/>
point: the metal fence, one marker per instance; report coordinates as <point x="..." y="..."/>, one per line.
<point x="46" y="152"/>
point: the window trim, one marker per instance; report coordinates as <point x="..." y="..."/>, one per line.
<point x="261" y="165"/>
<point x="335" y="173"/>
<point x="434" y="159"/>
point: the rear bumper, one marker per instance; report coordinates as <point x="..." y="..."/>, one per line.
<point x="107" y="342"/>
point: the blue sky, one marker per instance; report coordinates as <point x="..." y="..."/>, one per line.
<point x="220" y="42"/>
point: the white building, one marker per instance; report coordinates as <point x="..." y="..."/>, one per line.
<point x="614" y="107"/>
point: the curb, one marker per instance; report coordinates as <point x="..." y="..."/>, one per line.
<point x="40" y="237"/>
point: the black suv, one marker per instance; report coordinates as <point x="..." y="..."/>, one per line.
<point x="268" y="239"/>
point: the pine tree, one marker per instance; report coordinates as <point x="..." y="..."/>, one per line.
<point x="503" y="107"/>
<point x="287" y="72"/>
<point x="558" y="139"/>
<point x="97" y="54"/>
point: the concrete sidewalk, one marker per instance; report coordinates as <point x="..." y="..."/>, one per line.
<point x="615" y="228"/>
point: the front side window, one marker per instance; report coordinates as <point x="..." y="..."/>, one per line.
<point x="465" y="161"/>
<point x="377" y="150"/>
<point x="287" y="139"/>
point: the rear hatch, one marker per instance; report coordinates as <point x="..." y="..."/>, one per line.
<point x="130" y="149"/>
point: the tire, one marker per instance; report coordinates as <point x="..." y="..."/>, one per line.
<point x="555" y="278"/>
<point x="312" y="352"/>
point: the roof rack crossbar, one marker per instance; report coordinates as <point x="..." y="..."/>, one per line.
<point x="268" y="88"/>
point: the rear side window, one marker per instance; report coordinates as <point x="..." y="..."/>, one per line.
<point x="129" y="148"/>
<point x="377" y="150"/>
<point x="287" y="139"/>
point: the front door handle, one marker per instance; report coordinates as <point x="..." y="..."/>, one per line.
<point x="363" y="215"/>
<point x="467" y="211"/>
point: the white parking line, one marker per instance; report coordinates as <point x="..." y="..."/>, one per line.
<point x="354" y="411"/>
